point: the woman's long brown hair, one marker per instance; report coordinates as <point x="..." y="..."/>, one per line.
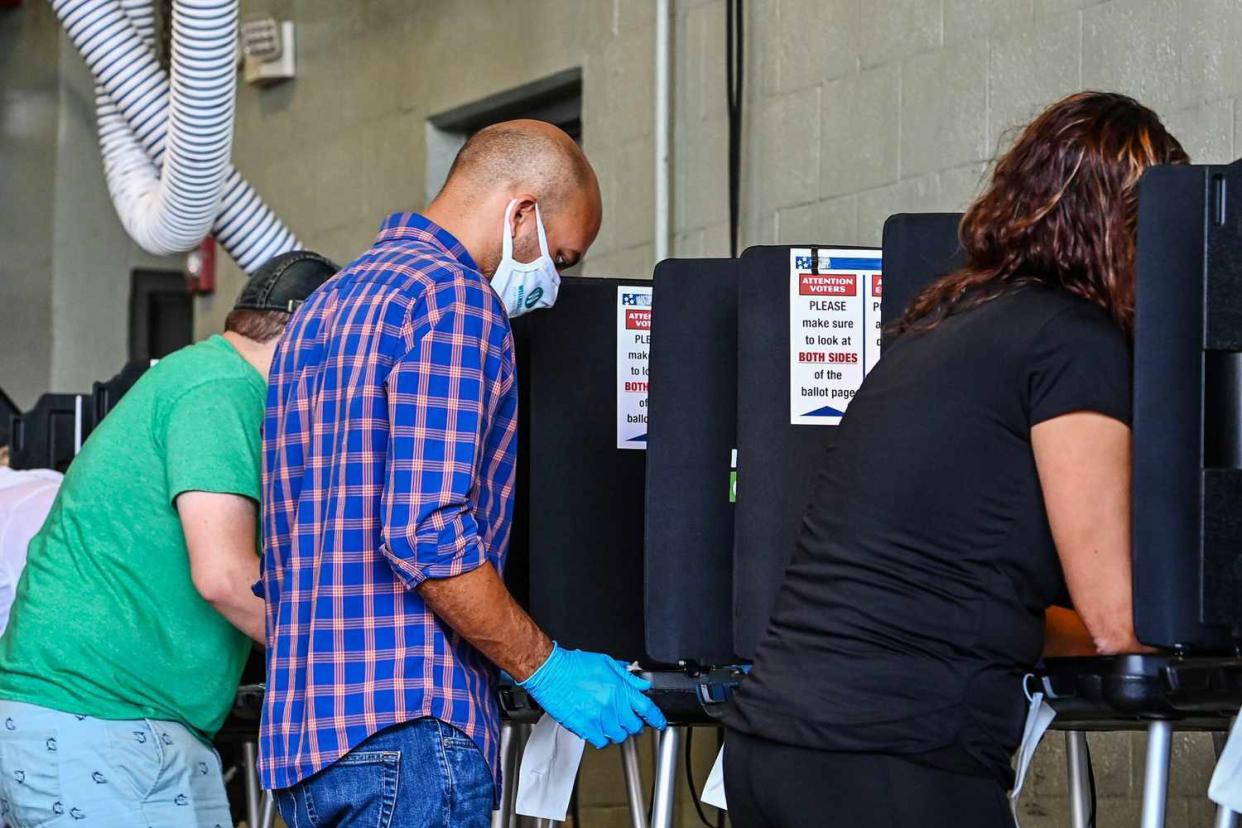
<point x="1061" y="209"/>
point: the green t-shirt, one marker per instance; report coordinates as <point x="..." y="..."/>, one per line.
<point x="106" y="621"/>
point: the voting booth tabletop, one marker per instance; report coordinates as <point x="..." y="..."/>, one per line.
<point x="1129" y="691"/>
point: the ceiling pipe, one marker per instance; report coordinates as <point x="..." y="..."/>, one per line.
<point x="663" y="127"/>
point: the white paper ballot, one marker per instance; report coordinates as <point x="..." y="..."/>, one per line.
<point x="714" y="791"/>
<point x="549" y="767"/>
<point x="1225" y="788"/>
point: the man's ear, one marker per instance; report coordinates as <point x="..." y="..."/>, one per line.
<point x="523" y="211"/>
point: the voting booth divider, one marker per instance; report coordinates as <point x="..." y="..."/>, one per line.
<point x="579" y="536"/>
<point x="693" y="433"/>
<point x="690" y="509"/>
<point x="1188" y="410"/>
<point x="808" y="326"/>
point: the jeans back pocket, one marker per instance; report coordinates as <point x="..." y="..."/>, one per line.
<point x="358" y="789"/>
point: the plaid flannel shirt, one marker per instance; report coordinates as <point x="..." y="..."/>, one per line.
<point x="389" y="450"/>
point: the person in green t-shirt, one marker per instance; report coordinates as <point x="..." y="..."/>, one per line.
<point x="134" y="615"/>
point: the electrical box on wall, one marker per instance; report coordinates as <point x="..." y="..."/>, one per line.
<point x="200" y="267"/>
<point x="268" y="51"/>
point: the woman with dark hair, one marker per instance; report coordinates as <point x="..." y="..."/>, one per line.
<point x="982" y="468"/>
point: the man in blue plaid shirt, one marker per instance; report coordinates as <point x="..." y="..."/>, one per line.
<point x="389" y="448"/>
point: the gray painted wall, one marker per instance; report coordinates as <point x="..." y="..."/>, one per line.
<point x="28" y="114"/>
<point x="65" y="260"/>
<point x="92" y="256"/>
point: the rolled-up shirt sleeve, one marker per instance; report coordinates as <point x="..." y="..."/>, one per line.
<point x="436" y="409"/>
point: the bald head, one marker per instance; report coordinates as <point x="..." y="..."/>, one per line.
<point x="531" y="155"/>
<point x="531" y="163"/>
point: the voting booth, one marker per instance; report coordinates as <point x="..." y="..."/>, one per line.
<point x="8" y="410"/>
<point x="577" y="544"/>
<point x="628" y="429"/>
<point x="576" y="550"/>
<point x="809" y="326"/>
<point x="50" y="434"/>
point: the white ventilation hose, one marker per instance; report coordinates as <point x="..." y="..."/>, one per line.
<point x="169" y="202"/>
<point x="170" y="180"/>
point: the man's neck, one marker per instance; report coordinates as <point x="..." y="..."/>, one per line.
<point x="449" y="215"/>
<point x="258" y="354"/>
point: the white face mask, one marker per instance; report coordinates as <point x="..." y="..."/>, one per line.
<point x="525" y="286"/>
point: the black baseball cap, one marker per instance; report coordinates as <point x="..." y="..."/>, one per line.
<point x="285" y="281"/>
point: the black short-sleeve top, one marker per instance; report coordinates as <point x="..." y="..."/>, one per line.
<point x="913" y="605"/>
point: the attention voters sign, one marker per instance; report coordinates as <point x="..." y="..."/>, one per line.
<point x="834" y="329"/>
<point x="633" y="350"/>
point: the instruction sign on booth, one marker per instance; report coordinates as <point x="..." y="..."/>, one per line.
<point x="633" y="352"/>
<point x="834" y="329"/>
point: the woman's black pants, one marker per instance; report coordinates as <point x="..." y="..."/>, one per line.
<point x="771" y="785"/>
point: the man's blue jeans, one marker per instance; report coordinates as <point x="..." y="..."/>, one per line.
<point x="421" y="774"/>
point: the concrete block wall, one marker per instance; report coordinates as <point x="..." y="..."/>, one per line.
<point x="1117" y="760"/>
<point x="862" y="107"/>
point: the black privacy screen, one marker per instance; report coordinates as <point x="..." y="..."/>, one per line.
<point x="48" y="435"/>
<point x="918" y="249"/>
<point x="776" y="460"/>
<point x="1187" y="524"/>
<point x="579" y="522"/>
<point x="693" y="406"/>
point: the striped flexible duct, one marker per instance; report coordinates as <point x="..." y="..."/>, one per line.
<point x="166" y="144"/>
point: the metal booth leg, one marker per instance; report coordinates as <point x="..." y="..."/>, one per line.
<point x="267" y="810"/>
<point x="633" y="783"/>
<point x="1225" y="818"/>
<point x="1156" y="773"/>
<point x="1076" y="754"/>
<point x="250" y="752"/>
<point x="666" y="777"/>
<point x="503" y="815"/>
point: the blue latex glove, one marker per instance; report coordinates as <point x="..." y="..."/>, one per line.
<point x="593" y="696"/>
